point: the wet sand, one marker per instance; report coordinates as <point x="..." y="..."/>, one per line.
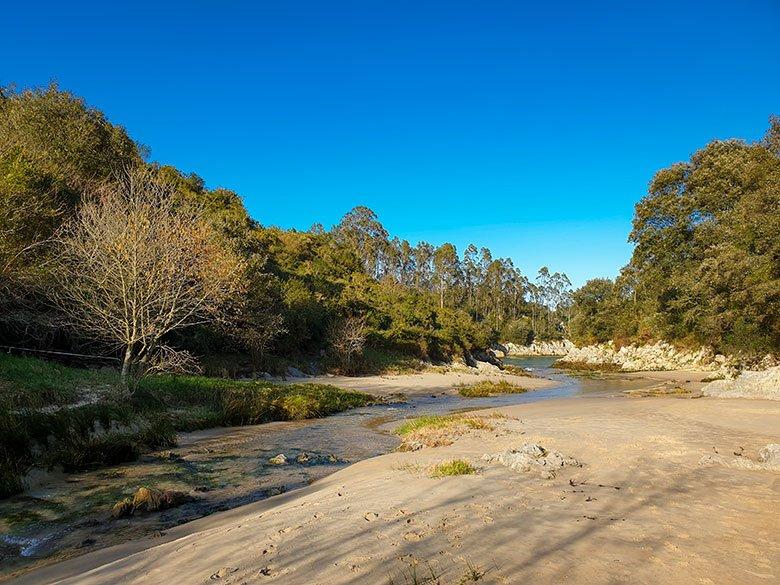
<point x="649" y="505"/>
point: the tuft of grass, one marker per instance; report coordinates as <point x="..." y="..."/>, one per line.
<point x="454" y="467"/>
<point x="489" y="388"/>
<point x="437" y="421"/>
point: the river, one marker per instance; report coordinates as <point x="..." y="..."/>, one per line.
<point x="67" y="515"/>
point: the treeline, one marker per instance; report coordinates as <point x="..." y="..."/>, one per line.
<point x="104" y="252"/>
<point x="706" y="266"/>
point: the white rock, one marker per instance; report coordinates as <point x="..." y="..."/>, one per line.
<point x="749" y="384"/>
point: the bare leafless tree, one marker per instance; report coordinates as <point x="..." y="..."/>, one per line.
<point x="347" y="339"/>
<point x="135" y="264"/>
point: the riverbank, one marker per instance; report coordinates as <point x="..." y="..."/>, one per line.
<point x="67" y="514"/>
<point x="423" y="383"/>
<point x="656" y="499"/>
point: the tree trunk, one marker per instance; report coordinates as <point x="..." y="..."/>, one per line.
<point x="127" y="364"/>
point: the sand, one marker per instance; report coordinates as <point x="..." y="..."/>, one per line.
<point x="649" y="505"/>
<point x="428" y="382"/>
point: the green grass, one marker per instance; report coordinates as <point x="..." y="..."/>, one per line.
<point x="454" y="467"/>
<point x="489" y="388"/>
<point x="33" y="383"/>
<point x="46" y="423"/>
<point x="437" y="421"/>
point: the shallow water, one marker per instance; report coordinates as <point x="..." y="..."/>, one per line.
<point x="68" y="514"/>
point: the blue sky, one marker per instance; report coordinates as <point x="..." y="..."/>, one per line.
<point x="531" y="128"/>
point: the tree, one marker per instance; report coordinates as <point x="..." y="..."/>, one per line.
<point x="132" y="266"/>
<point x="447" y="267"/>
<point x="347" y="338"/>
<point x="361" y="229"/>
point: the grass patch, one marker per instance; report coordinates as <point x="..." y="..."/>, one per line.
<point x="33" y="383"/>
<point x="454" y="467"/>
<point x="436" y="421"/>
<point x="489" y="388"/>
<point x="437" y="430"/>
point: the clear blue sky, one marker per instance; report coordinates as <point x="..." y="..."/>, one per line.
<point x="531" y="128"/>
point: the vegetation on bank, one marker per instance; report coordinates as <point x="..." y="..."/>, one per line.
<point x="53" y="415"/>
<point x="706" y="263"/>
<point x="486" y="388"/>
<point x="78" y="199"/>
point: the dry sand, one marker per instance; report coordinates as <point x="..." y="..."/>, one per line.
<point x="428" y="382"/>
<point x="643" y="508"/>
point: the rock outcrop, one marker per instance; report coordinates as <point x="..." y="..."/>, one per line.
<point x="749" y="384"/>
<point x="533" y="457"/>
<point x="636" y="358"/>
<point x="551" y="348"/>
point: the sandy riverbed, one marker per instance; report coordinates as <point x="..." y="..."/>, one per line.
<point x="642" y="509"/>
<point x="424" y="382"/>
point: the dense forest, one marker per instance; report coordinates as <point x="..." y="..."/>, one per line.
<point x="351" y="294"/>
<point x="97" y="243"/>
<point x="706" y="263"/>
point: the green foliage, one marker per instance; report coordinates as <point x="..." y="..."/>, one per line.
<point x="454" y="467"/>
<point x="706" y="267"/>
<point x="489" y="388"/>
<point x="519" y="331"/>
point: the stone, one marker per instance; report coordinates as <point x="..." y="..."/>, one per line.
<point x="280" y="459"/>
<point x="550" y="348"/>
<point x="770" y="454"/>
<point x="533" y="457"/>
<point x="748" y="384"/>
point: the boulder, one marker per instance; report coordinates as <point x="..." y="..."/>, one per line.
<point x="533" y="457"/>
<point x="749" y="384"/>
